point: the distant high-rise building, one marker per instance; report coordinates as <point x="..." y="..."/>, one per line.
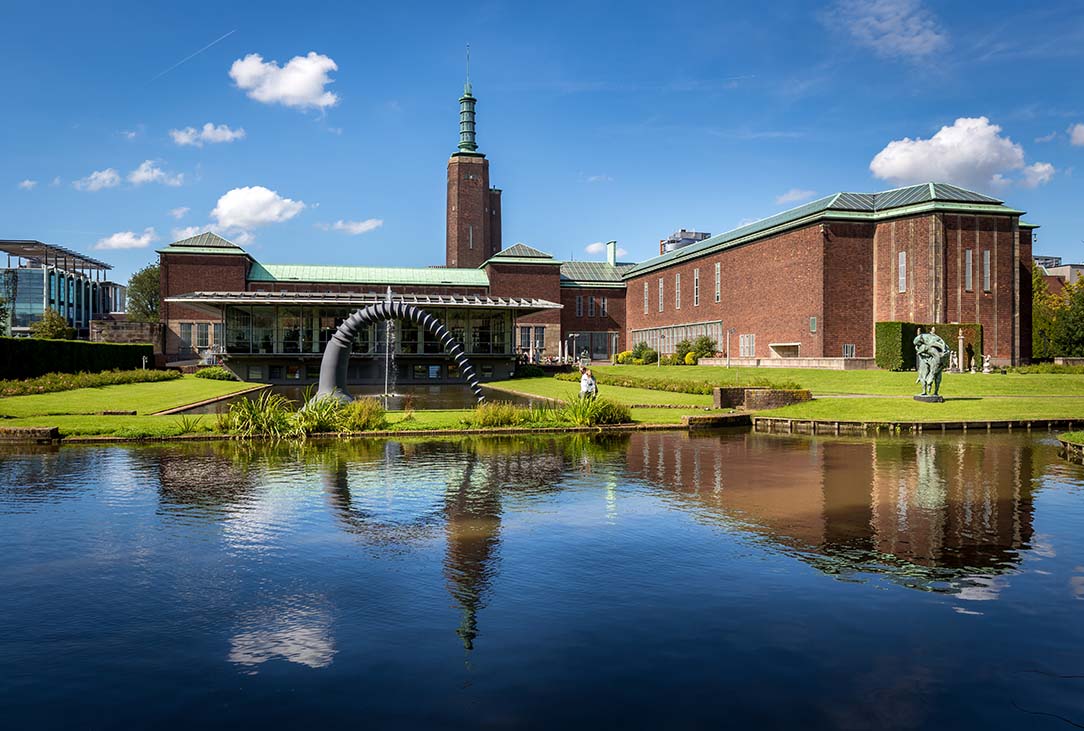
<point x="474" y="209"/>
<point x="681" y="238"/>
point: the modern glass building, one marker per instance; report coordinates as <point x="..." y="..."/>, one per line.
<point x="39" y="276"/>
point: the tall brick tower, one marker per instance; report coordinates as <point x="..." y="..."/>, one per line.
<point x="474" y="209"/>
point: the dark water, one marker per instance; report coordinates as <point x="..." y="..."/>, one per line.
<point x="654" y="580"/>
<point x="445" y="396"/>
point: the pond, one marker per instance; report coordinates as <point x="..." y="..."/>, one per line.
<point x="646" y="580"/>
<point x="444" y="396"/>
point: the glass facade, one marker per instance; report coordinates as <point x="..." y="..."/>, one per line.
<point x="29" y="290"/>
<point x="663" y="339"/>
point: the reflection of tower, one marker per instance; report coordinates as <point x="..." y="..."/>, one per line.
<point x="474" y="209"/>
<point x="472" y="511"/>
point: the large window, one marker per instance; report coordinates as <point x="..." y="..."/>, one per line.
<point x="747" y="346"/>
<point x="663" y="339"/>
<point x="718" y="281"/>
<point x="238" y="330"/>
<point x="525" y="338"/>
<point x="289" y="329"/>
<point x="591" y="306"/>
<point x="602" y="307"/>
<point x="902" y="271"/>
<point x="969" y="269"/>
<point x="186" y="337"/>
<point x="579" y="306"/>
<point x="986" y="270"/>
<point x="696" y="287"/>
<point x="263" y="329"/>
<point x="647" y="298"/>
<point x="203" y="335"/>
<point x="661" y="294"/>
<point x="677" y="290"/>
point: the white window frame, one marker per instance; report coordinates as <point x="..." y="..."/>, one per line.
<point x="747" y="345"/>
<point x="203" y="334"/>
<point x="602" y="307"/>
<point x="579" y="305"/>
<point x="696" y="287"/>
<point x="591" y="306"/>
<point x="662" y="294"/>
<point x="813" y="324"/>
<point x="848" y="350"/>
<point x="986" y="284"/>
<point x="647" y="297"/>
<point x="718" y="281"/>
<point x="677" y="290"/>
<point x="969" y="270"/>
<point x="901" y="259"/>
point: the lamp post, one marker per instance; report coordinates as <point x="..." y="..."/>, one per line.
<point x="728" y="331"/>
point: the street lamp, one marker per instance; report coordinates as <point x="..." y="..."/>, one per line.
<point x="662" y="344"/>
<point x="728" y="331"/>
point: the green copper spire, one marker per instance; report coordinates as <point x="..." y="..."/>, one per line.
<point x="466" y="114"/>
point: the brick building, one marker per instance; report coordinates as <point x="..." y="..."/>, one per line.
<point x="811" y="282"/>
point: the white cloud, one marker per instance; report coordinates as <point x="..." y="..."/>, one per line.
<point x="1076" y="134"/>
<point x="300" y="83"/>
<point x="179" y="212"/>
<point x="891" y="28"/>
<point x="353" y="227"/>
<point x="1037" y="174"/>
<point x="149" y="172"/>
<point x="56" y="181"/>
<point x="209" y="133"/>
<point x="108" y="178"/>
<point x="794" y="195"/>
<point x="971" y="152"/>
<point x="1047" y="138"/>
<point x="28" y="184"/>
<point x="187" y="232"/>
<point x="246" y="208"/>
<point x="128" y="240"/>
<point x="129" y="134"/>
<point x="600" y="248"/>
<point x="599" y="179"/>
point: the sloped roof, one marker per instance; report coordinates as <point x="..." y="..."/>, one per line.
<point x="522" y="251"/>
<point x="590" y="272"/>
<point x="382" y="276"/>
<point x="840" y="206"/>
<point x="203" y="243"/>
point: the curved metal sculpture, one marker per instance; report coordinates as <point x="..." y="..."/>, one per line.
<point x="337" y="353"/>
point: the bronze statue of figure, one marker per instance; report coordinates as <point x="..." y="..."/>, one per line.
<point x="931" y="358"/>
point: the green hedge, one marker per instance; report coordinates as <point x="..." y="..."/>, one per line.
<point x="32" y="357"/>
<point x="895" y="341"/>
<point x="675" y="385"/>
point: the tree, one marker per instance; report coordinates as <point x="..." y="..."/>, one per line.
<point x="52" y="326"/>
<point x="1044" y="316"/>
<point x="144" y="295"/>
<point x="1069" y="326"/>
<point x="3" y="316"/>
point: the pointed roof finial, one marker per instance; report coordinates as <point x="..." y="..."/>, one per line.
<point x="466" y="86"/>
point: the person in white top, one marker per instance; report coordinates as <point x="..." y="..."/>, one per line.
<point x="587" y="384"/>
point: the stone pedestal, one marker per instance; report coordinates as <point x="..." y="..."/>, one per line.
<point x="930" y="399"/>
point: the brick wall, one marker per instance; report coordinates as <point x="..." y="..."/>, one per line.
<point x="183" y="273"/>
<point x="615" y="312"/>
<point x="848" y="290"/>
<point x="468" y="243"/>
<point x="769" y="289"/>
<point x="541" y="281"/>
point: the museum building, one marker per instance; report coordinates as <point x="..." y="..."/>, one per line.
<point x="270" y="322"/>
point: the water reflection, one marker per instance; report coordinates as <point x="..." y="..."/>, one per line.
<point x="926" y="512"/>
<point x="296" y="629"/>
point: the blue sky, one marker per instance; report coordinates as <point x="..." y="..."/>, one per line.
<point x="602" y="121"/>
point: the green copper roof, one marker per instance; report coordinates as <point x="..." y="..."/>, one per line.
<point x="522" y="251"/>
<point x="911" y="200"/>
<point x="586" y="273"/>
<point x="204" y="243"/>
<point x="376" y="276"/>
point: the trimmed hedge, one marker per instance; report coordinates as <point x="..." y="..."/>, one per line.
<point x="674" y="385"/>
<point x="894" y="342"/>
<point x="31" y="357"/>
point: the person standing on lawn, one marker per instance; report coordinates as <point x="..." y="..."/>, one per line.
<point x="587" y="383"/>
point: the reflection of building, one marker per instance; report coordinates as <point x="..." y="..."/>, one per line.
<point x="916" y="510"/>
<point x="46" y="276"/>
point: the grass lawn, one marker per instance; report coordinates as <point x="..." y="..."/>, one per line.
<point x="1076" y="437"/>
<point x="564" y="390"/>
<point x="953" y="409"/>
<point x="875" y="382"/>
<point x="143" y="398"/>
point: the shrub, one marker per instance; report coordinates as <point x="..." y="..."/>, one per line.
<point x="216" y="373"/>
<point x="637" y="361"/>
<point x="673" y="385"/>
<point x="363" y="414"/>
<point x="649" y="357"/>
<point x="318" y="416"/>
<point x="704" y="347"/>
<point x="31" y="357"/>
<point x="625" y="357"/>
<point x="682" y="349"/>
<point x="52" y="326"/>
<point x="268" y="415"/>
<point x="530" y="371"/>
<point x="496" y="414"/>
<point x="1048" y="368"/>
<point x="690" y="358"/>
<point x="53" y="382"/>
<point x="595" y="412"/>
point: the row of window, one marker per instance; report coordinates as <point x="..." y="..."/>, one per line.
<point x="196" y="335"/>
<point x="969" y="269"/>
<point x="311" y="372"/>
<point x="677" y="290"/>
<point x="591" y="300"/>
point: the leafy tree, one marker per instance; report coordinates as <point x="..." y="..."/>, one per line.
<point x="1069" y="326"/>
<point x="1044" y="315"/>
<point x="3" y="316"/>
<point x="144" y="294"/>
<point x="52" y="326"/>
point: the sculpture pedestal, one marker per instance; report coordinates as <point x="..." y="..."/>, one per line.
<point x="930" y="399"/>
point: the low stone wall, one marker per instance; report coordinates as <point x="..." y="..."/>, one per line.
<point x="29" y="434"/>
<point x="1069" y="361"/>
<point x="833" y="364"/>
<point x="757" y="399"/>
<point x="112" y="331"/>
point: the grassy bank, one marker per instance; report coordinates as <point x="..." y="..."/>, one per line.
<point x="143" y="398"/>
<point x="881" y="383"/>
<point x="953" y="409"/>
<point x="565" y="390"/>
<point x="1076" y="437"/>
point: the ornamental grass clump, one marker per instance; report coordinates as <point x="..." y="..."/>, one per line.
<point x="493" y="414"/>
<point x="318" y="416"/>
<point x="363" y="414"/>
<point x="269" y="415"/>
<point x="595" y="412"/>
